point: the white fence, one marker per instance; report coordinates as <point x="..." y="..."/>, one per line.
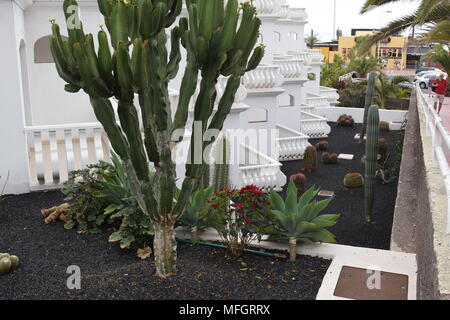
<point x="441" y="142"/>
<point x="55" y="151"/>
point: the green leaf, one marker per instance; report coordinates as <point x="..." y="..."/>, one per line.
<point x="320" y="235"/>
<point x="307" y="197"/>
<point x="326" y="220"/>
<point x="69" y="225"/>
<point x="276" y="201"/>
<point x="116" y="236"/>
<point x="291" y="200"/>
<point x="112" y="208"/>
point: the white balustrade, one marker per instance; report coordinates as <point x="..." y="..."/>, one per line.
<point x="317" y="101"/>
<point x="290" y="68"/>
<point x="314" y="126"/>
<point x="308" y="108"/>
<point x="55" y="151"/>
<point x="284" y="12"/>
<point x="267" y="6"/>
<point x="316" y="55"/>
<point x="306" y="57"/>
<point x="331" y="95"/>
<point x="297" y="14"/>
<point x="260" y="170"/>
<point x="291" y="144"/>
<point x="263" y="77"/>
<point x="440" y="137"/>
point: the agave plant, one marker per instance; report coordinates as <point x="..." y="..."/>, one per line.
<point x="297" y="219"/>
<point x="195" y="216"/>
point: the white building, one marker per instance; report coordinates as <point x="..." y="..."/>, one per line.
<point x="46" y="132"/>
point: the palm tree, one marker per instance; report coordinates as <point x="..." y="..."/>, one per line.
<point x="363" y="66"/>
<point x="441" y="54"/>
<point x="433" y="12"/>
<point x="312" y="39"/>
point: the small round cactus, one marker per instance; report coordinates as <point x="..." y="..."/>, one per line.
<point x="346" y="120"/>
<point x="329" y="158"/>
<point x="384" y="126"/>
<point x="8" y="263"/>
<point x="322" y="145"/>
<point x="300" y="181"/>
<point x="310" y="159"/>
<point x="354" y="180"/>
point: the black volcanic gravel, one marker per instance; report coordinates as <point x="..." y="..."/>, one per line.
<point x="107" y="272"/>
<point x="351" y="229"/>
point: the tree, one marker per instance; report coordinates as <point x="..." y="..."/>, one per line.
<point x="441" y="54"/>
<point x="141" y="66"/>
<point x="363" y="66"/>
<point x="312" y="39"/>
<point x="331" y="72"/>
<point x="434" y="12"/>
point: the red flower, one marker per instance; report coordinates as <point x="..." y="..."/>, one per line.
<point x="215" y="205"/>
<point x="246" y="220"/>
<point x="238" y="206"/>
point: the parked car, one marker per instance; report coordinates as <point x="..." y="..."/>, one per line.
<point x="421" y="69"/>
<point x="425" y="80"/>
<point x="423" y="73"/>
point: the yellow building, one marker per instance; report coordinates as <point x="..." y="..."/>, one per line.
<point x="392" y="51"/>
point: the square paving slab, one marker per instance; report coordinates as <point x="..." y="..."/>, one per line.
<point x="363" y="284"/>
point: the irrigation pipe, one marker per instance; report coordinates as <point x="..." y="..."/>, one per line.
<point x="215" y="245"/>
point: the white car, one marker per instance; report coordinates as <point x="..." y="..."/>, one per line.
<point x="424" y="80"/>
<point x="423" y="73"/>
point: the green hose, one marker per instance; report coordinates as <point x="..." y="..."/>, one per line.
<point x="209" y="244"/>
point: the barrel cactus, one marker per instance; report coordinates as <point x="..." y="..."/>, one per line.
<point x="328" y="158"/>
<point x="345" y="120"/>
<point x="310" y="159"/>
<point x="385" y="126"/>
<point x="322" y="145"/>
<point x="383" y="150"/>
<point x="353" y="180"/>
<point x="220" y="40"/>
<point x="368" y="102"/>
<point x="371" y="160"/>
<point x="8" y="263"/>
<point x="299" y="180"/>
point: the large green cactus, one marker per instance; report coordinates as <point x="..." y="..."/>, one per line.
<point x="373" y="120"/>
<point x="222" y="165"/>
<point x="140" y="64"/>
<point x="368" y="102"/>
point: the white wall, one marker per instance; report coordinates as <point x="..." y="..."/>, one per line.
<point x="333" y="113"/>
<point x="13" y="157"/>
<point x="50" y="103"/>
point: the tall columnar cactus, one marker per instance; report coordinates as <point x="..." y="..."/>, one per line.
<point x="368" y="102"/>
<point x="217" y="43"/>
<point x="222" y="165"/>
<point x="310" y="159"/>
<point x="373" y="121"/>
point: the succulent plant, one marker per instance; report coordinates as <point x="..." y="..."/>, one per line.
<point x="222" y="165"/>
<point x="346" y="120"/>
<point x="310" y="159"/>
<point x="8" y="263"/>
<point x="373" y="121"/>
<point x="385" y="126"/>
<point x="299" y="180"/>
<point x="329" y="158"/>
<point x="220" y="40"/>
<point x="322" y="145"/>
<point x="354" y="180"/>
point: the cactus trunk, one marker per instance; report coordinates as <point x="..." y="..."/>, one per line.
<point x="165" y="248"/>
<point x="292" y="249"/>
<point x="368" y="102"/>
<point x="371" y="161"/>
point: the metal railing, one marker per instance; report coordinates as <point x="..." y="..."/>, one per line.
<point x="440" y="137"/>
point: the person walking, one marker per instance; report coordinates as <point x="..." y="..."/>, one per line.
<point x="440" y="89"/>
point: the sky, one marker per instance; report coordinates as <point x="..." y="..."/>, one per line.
<point x="320" y="14"/>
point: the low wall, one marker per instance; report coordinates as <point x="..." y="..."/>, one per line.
<point x="420" y="209"/>
<point x="333" y="113"/>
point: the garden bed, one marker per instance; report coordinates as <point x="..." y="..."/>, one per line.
<point x="351" y="228"/>
<point x="111" y="273"/>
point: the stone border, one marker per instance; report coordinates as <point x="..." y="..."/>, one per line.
<point x="341" y="255"/>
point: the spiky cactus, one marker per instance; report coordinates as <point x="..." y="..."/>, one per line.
<point x="322" y="146"/>
<point x="222" y="165"/>
<point x="368" y="102"/>
<point x="328" y="158"/>
<point x="310" y="159"/>
<point x="383" y="150"/>
<point x="353" y="180"/>
<point x="371" y="159"/>
<point x="299" y="180"/>
<point x="217" y="43"/>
